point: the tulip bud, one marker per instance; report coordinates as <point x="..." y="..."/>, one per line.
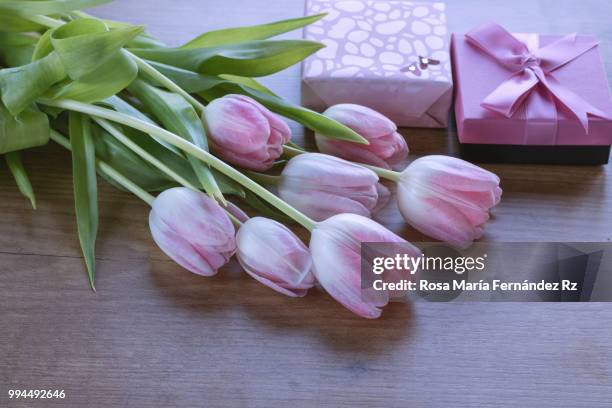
<point x="335" y="246"/>
<point x="275" y="256"/>
<point x="447" y="198"/>
<point x="244" y="132"/>
<point x="387" y="146"/>
<point x="320" y="186"/>
<point x="192" y="229"/>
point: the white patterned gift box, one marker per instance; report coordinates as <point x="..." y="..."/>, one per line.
<point x="391" y="56"/>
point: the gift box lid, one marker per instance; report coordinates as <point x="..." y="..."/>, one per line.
<point x="389" y="55"/>
<point x="477" y="74"/>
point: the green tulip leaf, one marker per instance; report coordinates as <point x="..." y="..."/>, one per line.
<point x="13" y="39"/>
<point x="16" y="48"/>
<point x="179" y="117"/>
<point x="43" y="46"/>
<point x="211" y="87"/>
<point x="114" y="75"/>
<point x="15" y="165"/>
<point x="85" y="44"/>
<point x="17" y="56"/>
<point x="33" y="7"/>
<point x="30" y="128"/>
<point x="228" y="185"/>
<point x="142" y="40"/>
<point x="249" y="59"/>
<point x="87" y="51"/>
<point x="22" y="85"/>
<point x="85" y="187"/>
<point x="246" y="81"/>
<point x="121" y="106"/>
<point x="16" y="24"/>
<point x="250" y="33"/>
<point x="119" y="156"/>
<point x="190" y="81"/>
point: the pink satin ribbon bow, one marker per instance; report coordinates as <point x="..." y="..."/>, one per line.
<point x="532" y="88"/>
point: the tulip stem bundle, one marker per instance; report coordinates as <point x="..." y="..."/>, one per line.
<point x="168" y="136"/>
<point x="187" y="147"/>
<point x="117" y="134"/>
<point x="123" y="181"/>
<point x="209" y="183"/>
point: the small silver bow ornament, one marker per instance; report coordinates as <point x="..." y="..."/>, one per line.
<point x="422" y="64"/>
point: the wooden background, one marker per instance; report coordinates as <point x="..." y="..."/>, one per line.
<point x="155" y="335"/>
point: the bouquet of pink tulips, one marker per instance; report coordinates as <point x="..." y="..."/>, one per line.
<point x="191" y="132"/>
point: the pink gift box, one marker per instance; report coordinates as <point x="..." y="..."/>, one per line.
<point x="553" y="130"/>
<point x="391" y="56"/>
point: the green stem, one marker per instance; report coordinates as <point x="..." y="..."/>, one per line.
<point x="108" y="170"/>
<point x="142" y="64"/>
<point x="125" y="182"/>
<point x="187" y="147"/>
<point x="384" y="173"/>
<point x="295" y="146"/>
<point x="263" y="178"/>
<point x="292" y="151"/>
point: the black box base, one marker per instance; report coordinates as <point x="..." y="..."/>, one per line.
<point x="521" y="154"/>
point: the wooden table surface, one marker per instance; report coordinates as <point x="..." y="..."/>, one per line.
<point x="155" y="335"/>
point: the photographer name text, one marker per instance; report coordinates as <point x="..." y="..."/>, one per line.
<point x="481" y="285"/>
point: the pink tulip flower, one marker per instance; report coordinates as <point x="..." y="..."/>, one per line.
<point x="244" y="132"/>
<point x="275" y="256"/>
<point x="335" y="246"/>
<point x="320" y="186"/>
<point x="192" y="229"/>
<point x="387" y="146"/>
<point x="447" y="198"/>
